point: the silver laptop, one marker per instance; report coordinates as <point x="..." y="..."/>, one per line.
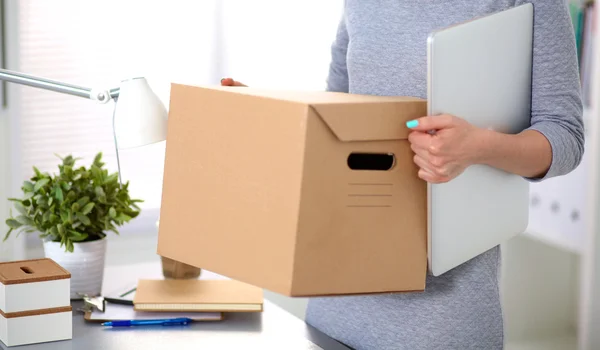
<point x="480" y="71"/>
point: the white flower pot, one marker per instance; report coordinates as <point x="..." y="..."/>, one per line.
<point x="85" y="263"/>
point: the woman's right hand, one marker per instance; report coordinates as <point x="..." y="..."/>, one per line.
<point x="231" y="82"/>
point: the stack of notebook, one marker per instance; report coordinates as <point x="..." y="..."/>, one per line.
<point x="197" y="296"/>
<point x="198" y="300"/>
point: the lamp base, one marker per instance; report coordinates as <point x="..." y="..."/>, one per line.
<point x="179" y="271"/>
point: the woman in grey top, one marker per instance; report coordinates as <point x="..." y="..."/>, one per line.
<point x="380" y="49"/>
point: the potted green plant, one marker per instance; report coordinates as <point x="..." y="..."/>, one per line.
<point x="72" y="212"/>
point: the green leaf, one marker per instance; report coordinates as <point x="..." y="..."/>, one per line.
<point x="123" y="217"/>
<point x="112" y="179"/>
<point x="75" y="207"/>
<point x="25" y="220"/>
<point x="13" y="224"/>
<point x="69" y="160"/>
<point x="58" y="195"/>
<point x="87" y="209"/>
<point x="83" y="201"/>
<point x="41" y="201"/>
<point x="78" y="236"/>
<point x="50" y="200"/>
<point x="68" y="170"/>
<point x="20" y="208"/>
<point x="120" y="202"/>
<point x="76" y="224"/>
<point x="41" y="183"/>
<point x="96" y="172"/>
<point x="99" y="191"/>
<point x="112" y="228"/>
<point x="112" y="212"/>
<point x="66" y="186"/>
<point x="61" y="229"/>
<point x="7" y="234"/>
<point x="98" y="160"/>
<point x="27" y="186"/>
<point x="69" y="245"/>
<point x="84" y="219"/>
<point x="28" y="195"/>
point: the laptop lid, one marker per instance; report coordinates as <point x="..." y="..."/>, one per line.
<point x="480" y="71"/>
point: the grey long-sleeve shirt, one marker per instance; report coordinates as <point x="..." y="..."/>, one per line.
<point x="380" y="49"/>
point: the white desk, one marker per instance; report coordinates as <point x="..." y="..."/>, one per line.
<point x="274" y="328"/>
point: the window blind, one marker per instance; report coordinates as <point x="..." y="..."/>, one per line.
<point x="97" y="44"/>
<point x="266" y="43"/>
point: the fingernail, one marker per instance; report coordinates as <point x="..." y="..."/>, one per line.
<point x="412" y="123"/>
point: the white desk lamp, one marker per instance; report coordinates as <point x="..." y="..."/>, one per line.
<point x="139" y="117"/>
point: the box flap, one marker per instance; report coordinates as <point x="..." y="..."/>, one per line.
<point x="351" y="117"/>
<point x="368" y="120"/>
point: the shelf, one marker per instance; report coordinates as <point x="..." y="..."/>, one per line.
<point x="566" y="342"/>
<point x="557" y="212"/>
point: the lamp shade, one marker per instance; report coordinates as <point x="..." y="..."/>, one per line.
<point x="140" y="116"/>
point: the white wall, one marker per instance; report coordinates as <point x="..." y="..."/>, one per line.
<point x="12" y="249"/>
<point x="539" y="290"/>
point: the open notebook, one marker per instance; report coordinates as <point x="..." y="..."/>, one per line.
<point x="197" y="296"/>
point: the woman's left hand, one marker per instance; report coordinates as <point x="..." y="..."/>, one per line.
<point x="444" y="146"/>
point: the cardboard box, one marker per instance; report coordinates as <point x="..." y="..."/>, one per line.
<point x="279" y="189"/>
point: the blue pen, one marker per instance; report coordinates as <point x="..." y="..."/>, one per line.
<point x="165" y="322"/>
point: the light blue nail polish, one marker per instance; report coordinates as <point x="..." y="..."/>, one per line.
<point x="412" y="123"/>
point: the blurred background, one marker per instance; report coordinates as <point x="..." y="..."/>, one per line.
<point x="549" y="273"/>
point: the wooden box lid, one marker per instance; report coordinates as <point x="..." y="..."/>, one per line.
<point x="29" y="271"/>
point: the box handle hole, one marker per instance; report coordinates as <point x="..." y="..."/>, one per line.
<point x="27" y="270"/>
<point x="371" y="161"/>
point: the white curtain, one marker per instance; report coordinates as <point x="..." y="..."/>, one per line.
<point x="266" y="43"/>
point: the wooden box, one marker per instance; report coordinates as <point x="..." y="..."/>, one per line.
<point x="35" y="305"/>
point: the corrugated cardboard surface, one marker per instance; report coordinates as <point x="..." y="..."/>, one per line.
<point x="257" y="187"/>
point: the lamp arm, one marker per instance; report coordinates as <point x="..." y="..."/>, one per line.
<point x="102" y="96"/>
